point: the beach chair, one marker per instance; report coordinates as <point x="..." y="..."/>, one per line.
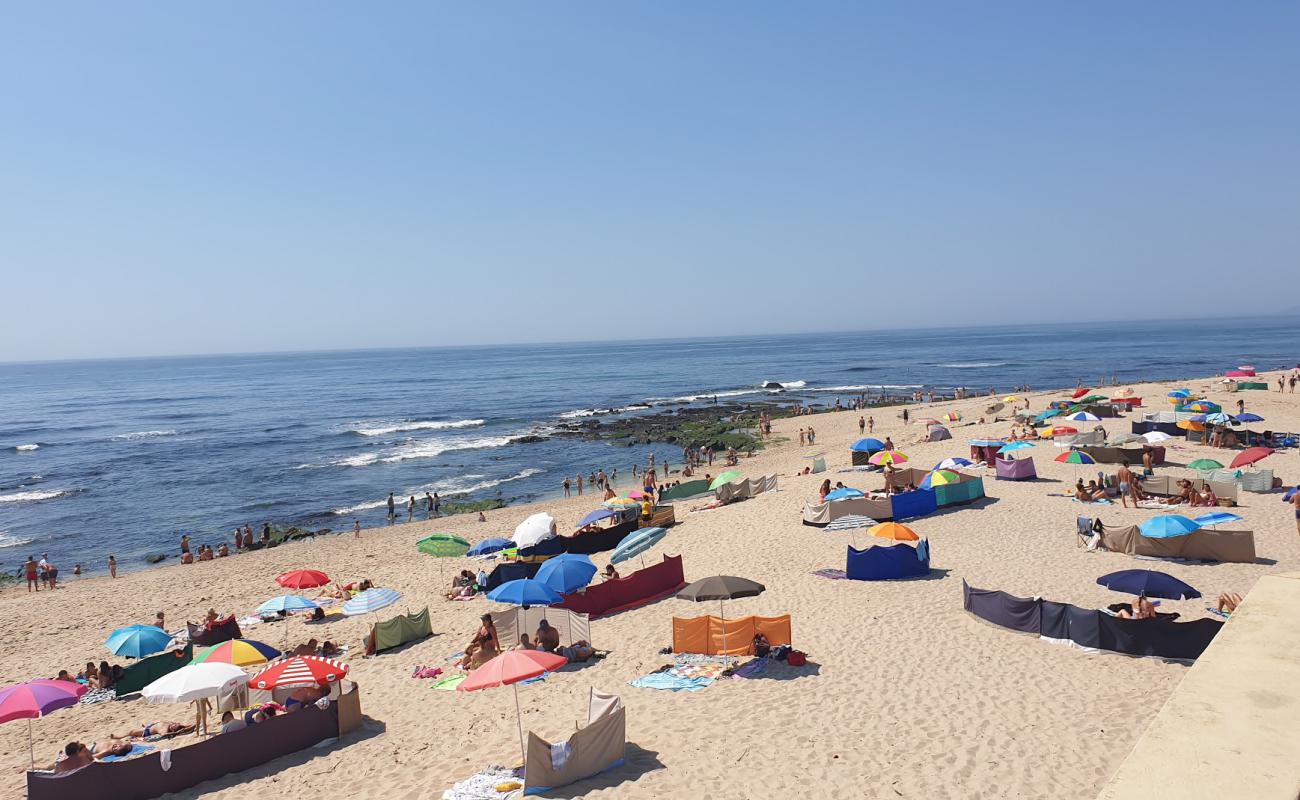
<point x="1084" y="531"/>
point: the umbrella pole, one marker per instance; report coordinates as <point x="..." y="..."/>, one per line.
<point x="519" y="720"/>
<point x="31" y="748"/>
<point x="723" y="615"/>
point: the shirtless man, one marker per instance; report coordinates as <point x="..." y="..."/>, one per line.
<point x="1126" y="481"/>
<point x="153" y="729"/>
<point x="547" y="638"/>
<point x="77" y="755"/>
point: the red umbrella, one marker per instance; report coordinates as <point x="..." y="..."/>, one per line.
<point x="511" y="667"/>
<point x="1250" y="455"/>
<point x="1080" y="393"/>
<point x="303" y="579"/>
<point x="298" y="672"/>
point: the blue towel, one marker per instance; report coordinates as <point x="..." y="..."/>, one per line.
<point x="662" y="680"/>
<point x="136" y="750"/>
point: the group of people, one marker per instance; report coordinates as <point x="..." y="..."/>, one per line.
<point x="40" y="573"/>
<point x="432" y="507"/>
<point x="807" y="436"/>
<point x="485" y="644"/>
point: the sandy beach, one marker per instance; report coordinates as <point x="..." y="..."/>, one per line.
<point x="905" y="695"/>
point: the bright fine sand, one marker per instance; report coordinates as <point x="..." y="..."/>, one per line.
<point x="905" y="694"/>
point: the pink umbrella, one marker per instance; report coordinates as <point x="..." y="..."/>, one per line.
<point x="510" y="668"/>
<point x="36" y="699"/>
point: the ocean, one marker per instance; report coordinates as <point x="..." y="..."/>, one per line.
<point x="123" y="456"/>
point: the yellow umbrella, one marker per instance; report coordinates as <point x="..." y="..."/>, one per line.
<point x="1011" y="398"/>
<point x="895" y="531"/>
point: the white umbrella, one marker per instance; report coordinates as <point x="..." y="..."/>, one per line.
<point x="194" y="682"/>
<point x="1154" y="437"/>
<point x="537" y="528"/>
<point x="371" y="600"/>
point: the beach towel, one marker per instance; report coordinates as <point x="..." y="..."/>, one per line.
<point x="450" y="683"/>
<point x="832" y="573"/>
<point x="751" y="670"/>
<point x="136" y="750"/>
<point x="482" y="785"/>
<point x="672" y="683"/>
<point x="850" y="522"/>
<point x="98" y="696"/>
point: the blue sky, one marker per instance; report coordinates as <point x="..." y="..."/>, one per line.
<point x="197" y="178"/>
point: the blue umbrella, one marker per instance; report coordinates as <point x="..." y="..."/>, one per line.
<point x="525" y="592"/>
<point x="288" y="602"/>
<point x="1014" y="446"/>
<point x="1046" y="415"/>
<point x="1219" y="418"/>
<point x="137" y="641"/>
<point x="987" y="442"/>
<point x="954" y="463"/>
<point x="1180" y="393"/>
<point x="490" y="546"/>
<point x="1149" y="583"/>
<point x="1249" y="417"/>
<point x="867" y="445"/>
<point x="567" y="573"/>
<point x="597" y="516"/>
<point x="844" y="494"/>
<point x="636" y="543"/>
<point x="1167" y="526"/>
<point x="1084" y="416"/>
<point x="1218" y="518"/>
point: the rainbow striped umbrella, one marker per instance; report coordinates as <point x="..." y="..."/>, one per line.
<point x="240" y="652"/>
<point x="939" y="477"/>
<point x="888" y="457"/>
<point x="1075" y="457"/>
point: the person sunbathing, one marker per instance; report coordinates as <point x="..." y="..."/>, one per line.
<point x="1141" y="608"/>
<point x="483" y="646"/>
<point x="761" y="645"/>
<point x="330" y="650"/>
<point x="580" y="650"/>
<point x="305" y="696"/>
<point x="306" y="649"/>
<point x="547" y="638"/>
<point x="524" y="644"/>
<point x="77" y="755"/>
<point x="154" y="729"/>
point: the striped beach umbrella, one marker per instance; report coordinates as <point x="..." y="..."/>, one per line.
<point x="1075" y="457"/>
<point x="954" y="463"/>
<point x="371" y="600"/>
<point x="1084" y="416"/>
<point x="299" y="672"/>
<point x="888" y="457"/>
<point x="287" y="602"/>
<point x="240" y="652"/>
<point x="939" y="477"/>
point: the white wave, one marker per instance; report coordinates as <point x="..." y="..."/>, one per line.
<point x="418" y="425"/>
<point x="359" y="460"/>
<point x="32" y="497"/>
<point x="12" y="541"/>
<point x="787" y="384"/>
<point x="865" y="387"/>
<point x="579" y="413"/>
<point x="138" y="435"/>
<point x="974" y="365"/>
<point x="436" y="447"/>
<point x="691" y="398"/>
<point x="448" y="489"/>
<point x="27" y="448"/>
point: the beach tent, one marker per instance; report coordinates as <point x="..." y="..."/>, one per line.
<point x="891" y="562"/>
<point x="985" y="450"/>
<point x="1236" y="547"/>
<point x="599" y="746"/>
<point x="147" y="670"/>
<point x="571" y="626"/>
<point x="937" y="433"/>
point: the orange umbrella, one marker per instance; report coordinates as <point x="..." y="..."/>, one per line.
<point x="895" y="531"/>
<point x="511" y="667"/>
<point x="1191" y="425"/>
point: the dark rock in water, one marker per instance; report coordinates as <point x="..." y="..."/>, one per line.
<point x="155" y="558"/>
<point x="529" y="439"/>
<point x="772" y="385"/>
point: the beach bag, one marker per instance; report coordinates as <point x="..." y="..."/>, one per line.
<point x="797" y="658"/>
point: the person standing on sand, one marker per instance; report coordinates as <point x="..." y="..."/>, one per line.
<point x="906" y="417"/>
<point x="437" y="505"/>
<point x="112" y="566"/>
<point x="356" y="528"/>
<point x="428" y="505"/>
<point x="862" y="425"/>
<point x="566" y="486"/>
<point x="33" y="579"/>
<point x="803" y="437"/>
<point x="392" y="508"/>
<point x="579" y="484"/>
<point x="410" y="509"/>
<point x="1126" y="481"/>
<point x="871" y="424"/>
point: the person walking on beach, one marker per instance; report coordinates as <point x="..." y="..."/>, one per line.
<point x="112" y="566"/>
<point x="906" y="417"/>
<point x="392" y="508"/>
<point x="30" y="570"/>
<point x="356" y="528"/>
<point x="566" y="486"/>
<point x="1126" y="481"/>
<point x="871" y="424"/>
<point x="410" y="509"/>
<point x="579" y="484"/>
<point x="862" y="425"/>
<point x="812" y="436"/>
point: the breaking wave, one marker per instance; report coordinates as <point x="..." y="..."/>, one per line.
<point x="11" y="541"/>
<point x="27" y="448"/>
<point x="415" y="425"/>
<point x="448" y="489"/>
<point x="33" y="497"/>
<point x="136" y="436"/>
<point x="974" y="365"/>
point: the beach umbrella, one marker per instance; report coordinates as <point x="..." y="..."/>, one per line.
<point x="939" y="477"/>
<point x="952" y="416"/>
<point x="1219" y="418"/>
<point x="928" y="421"/>
<point x="488" y="546"/>
<point x="443" y="545"/>
<point x="509" y="668"/>
<point x="1250" y="455"/>
<point x="636" y="543"/>
<point x="894" y="530"/>
<point x="537" y="528"/>
<point x="1084" y="416"/>
<point x="638" y="494"/>
<point x="888" y="457"/>
<point x="567" y="573"/>
<point x="1168" y="526"/>
<point x="525" y="592"/>
<point x="721" y="588"/>
<point x="723" y="479"/>
<point x="1202" y="406"/>
<point x="995" y="408"/>
<point x="1216" y="518"/>
<point x="1148" y="582"/>
<point x="194" y="682"/>
<point x="1075" y="457"/>
<point x="371" y="600"/>
<point x="1011" y="447"/>
<point x="845" y="494"/>
<point x="621" y="503"/>
<point x="303" y="579"/>
<point x="1189" y="425"/>
<point x="987" y="442"/>
<point x="1156" y="437"/>
<point x="1180" y="394"/>
<point x="1011" y="398"/>
<point x="1044" y="416"/>
<point x="1249" y="417"/>
<point x="1205" y="464"/>
<point x="596" y="516"/>
<point x="1092" y="398"/>
<point x="35" y="699"/>
<point x="137" y="641"/>
<point x="286" y="603"/>
<point x="1057" y="430"/>
<point x="299" y="672"/>
<point x="867" y="445"/>
<point x="954" y="463"/>
<point x="1080" y="393"/>
<point x="240" y="652"/>
<point x="1125" y="438"/>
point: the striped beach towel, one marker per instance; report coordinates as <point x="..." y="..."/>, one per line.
<point x="850" y="522"/>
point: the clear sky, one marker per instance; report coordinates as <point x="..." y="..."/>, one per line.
<point x="249" y="176"/>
